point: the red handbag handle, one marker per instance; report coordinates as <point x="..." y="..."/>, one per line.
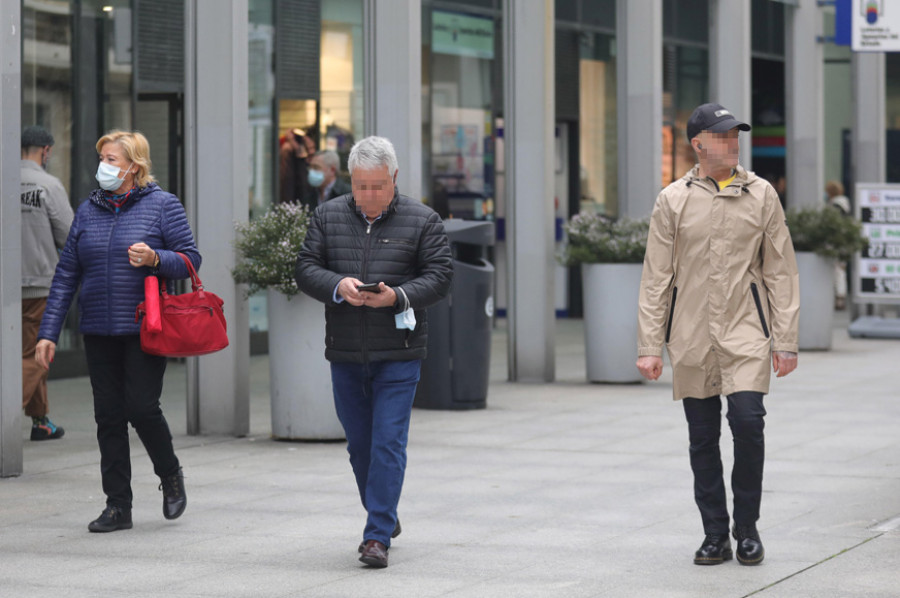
<point x="196" y="283"/>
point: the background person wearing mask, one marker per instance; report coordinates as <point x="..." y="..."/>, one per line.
<point x="126" y="230"/>
<point x="323" y="179"/>
<point x="720" y="290"/>
<point x="375" y="338"/>
<point x="46" y="218"/>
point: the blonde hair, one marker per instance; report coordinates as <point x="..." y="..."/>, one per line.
<point x="834" y="188"/>
<point x="137" y="150"/>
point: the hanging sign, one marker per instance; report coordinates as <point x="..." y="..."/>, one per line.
<point x="875" y="25"/>
<point x="877" y="272"/>
<point x="461" y="34"/>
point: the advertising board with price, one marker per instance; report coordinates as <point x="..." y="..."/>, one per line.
<point x="877" y="274"/>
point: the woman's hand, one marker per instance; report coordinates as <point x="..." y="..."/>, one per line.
<point x="44" y="353"/>
<point x="140" y="255"/>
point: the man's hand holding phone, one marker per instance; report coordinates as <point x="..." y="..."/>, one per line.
<point x="377" y="294"/>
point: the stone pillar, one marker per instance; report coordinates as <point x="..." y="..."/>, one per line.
<point x="393" y="89"/>
<point x="639" y="98"/>
<point x="528" y="131"/>
<point x="804" y="85"/>
<point x="216" y="145"/>
<point x="868" y="159"/>
<point x="730" y="66"/>
<point x="10" y="239"/>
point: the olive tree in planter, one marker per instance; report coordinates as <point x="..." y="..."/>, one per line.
<point x="820" y="236"/>
<point x="299" y="375"/>
<point x="610" y="253"/>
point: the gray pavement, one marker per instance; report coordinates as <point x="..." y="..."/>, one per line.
<point x="555" y="490"/>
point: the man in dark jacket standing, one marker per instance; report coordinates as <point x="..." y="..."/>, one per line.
<point x="376" y="259"/>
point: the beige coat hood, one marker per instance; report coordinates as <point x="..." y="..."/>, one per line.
<point x="719" y="286"/>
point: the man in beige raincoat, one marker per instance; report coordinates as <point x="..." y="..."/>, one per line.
<point x="720" y="290"/>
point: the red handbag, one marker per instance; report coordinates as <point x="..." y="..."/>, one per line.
<point x="191" y="324"/>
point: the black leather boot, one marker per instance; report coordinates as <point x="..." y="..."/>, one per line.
<point x="716" y="549"/>
<point x="174" y="498"/>
<point x="750" y="550"/>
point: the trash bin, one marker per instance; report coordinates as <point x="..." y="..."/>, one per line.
<point x="455" y="373"/>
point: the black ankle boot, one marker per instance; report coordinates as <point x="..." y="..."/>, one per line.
<point x="716" y="549"/>
<point x="750" y="550"/>
<point x="174" y="498"/>
<point x="111" y="519"/>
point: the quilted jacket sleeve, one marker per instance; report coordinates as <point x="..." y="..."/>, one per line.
<point x="66" y="280"/>
<point x="434" y="266"/>
<point x="178" y="238"/>
<point x="312" y="276"/>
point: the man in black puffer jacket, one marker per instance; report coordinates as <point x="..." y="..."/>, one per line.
<point x="375" y="334"/>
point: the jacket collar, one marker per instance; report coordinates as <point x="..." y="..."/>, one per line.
<point x="96" y="197"/>
<point x="742" y="177"/>
<point x="391" y="208"/>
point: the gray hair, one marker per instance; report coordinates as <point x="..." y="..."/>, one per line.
<point x="330" y="158"/>
<point x="372" y="152"/>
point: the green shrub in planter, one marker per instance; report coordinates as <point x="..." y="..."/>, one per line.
<point x="826" y="232"/>
<point x="267" y="249"/>
<point x="595" y="239"/>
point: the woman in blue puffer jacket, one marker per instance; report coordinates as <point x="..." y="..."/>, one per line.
<point x="125" y="231"/>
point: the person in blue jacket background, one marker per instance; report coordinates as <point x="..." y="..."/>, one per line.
<point x="126" y="230"/>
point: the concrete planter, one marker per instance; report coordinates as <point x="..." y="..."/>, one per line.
<point x="816" y="301"/>
<point x="299" y="374"/>
<point x="610" y="321"/>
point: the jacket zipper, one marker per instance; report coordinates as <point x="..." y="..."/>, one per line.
<point x="759" y="309"/>
<point x="363" y="271"/>
<point x="109" y="285"/>
<point x="671" y="314"/>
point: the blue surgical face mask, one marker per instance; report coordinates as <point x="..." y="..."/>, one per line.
<point x="108" y="176"/>
<point x="315" y="178"/>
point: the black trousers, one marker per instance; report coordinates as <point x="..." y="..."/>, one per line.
<point x="745" y="417"/>
<point x="127" y="384"/>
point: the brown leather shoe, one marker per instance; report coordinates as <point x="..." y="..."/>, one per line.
<point x="394" y="534"/>
<point x="375" y="554"/>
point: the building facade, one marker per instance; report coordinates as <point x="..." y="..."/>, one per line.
<point x="520" y="113"/>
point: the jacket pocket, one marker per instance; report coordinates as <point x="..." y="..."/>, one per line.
<point x="671" y="314"/>
<point x="759" y="309"/>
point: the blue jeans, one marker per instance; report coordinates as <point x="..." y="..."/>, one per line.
<point x="374" y="402"/>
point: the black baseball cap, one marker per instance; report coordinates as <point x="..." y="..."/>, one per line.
<point x="712" y="117"/>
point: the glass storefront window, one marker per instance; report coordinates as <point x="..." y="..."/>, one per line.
<point x="459" y="75"/>
<point x="598" y="124"/>
<point x="685" y="86"/>
<point x="312" y="117"/>
<point x="341" y="72"/>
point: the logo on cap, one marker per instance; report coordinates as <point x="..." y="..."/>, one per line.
<point x="722" y="113"/>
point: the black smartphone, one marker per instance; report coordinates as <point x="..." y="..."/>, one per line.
<point x="372" y="287"/>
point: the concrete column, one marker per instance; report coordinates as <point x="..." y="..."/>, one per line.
<point x="393" y="86"/>
<point x="216" y="146"/>
<point x="804" y="99"/>
<point x="730" y="66"/>
<point x="869" y="161"/>
<point x="528" y="39"/>
<point x="639" y="97"/>
<point x="10" y="239"/>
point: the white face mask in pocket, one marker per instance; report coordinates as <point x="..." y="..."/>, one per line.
<point x="405" y="319"/>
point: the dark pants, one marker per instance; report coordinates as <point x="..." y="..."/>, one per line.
<point x="127" y="384"/>
<point x="745" y="416"/>
<point x="374" y="402"/>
